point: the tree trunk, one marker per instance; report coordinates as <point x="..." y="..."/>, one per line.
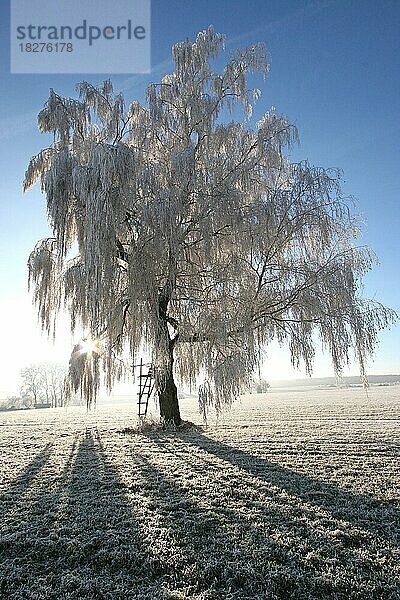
<point x="168" y="393"/>
<point x="168" y="398"/>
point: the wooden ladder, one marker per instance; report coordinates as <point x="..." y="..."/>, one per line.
<point x="146" y="387"/>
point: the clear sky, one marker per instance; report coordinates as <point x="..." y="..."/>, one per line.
<point x="334" y="71"/>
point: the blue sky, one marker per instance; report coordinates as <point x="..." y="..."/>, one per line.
<point x="334" y="72"/>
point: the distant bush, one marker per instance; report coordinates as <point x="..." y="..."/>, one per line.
<point x="260" y="387"/>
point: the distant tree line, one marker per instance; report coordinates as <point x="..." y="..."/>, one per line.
<point x="43" y="383"/>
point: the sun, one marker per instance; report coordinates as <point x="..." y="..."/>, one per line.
<point x="89" y="346"/>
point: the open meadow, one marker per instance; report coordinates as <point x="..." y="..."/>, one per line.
<point x="290" y="495"/>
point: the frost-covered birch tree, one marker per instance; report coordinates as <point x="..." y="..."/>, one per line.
<point x="177" y="228"/>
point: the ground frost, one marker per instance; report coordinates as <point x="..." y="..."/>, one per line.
<point x="290" y="496"/>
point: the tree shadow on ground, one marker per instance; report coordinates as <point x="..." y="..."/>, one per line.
<point x="76" y="537"/>
<point x="285" y="540"/>
<point x="20" y="486"/>
<point x="379" y="517"/>
<point x="210" y="555"/>
<point x="85" y="535"/>
<point x="175" y="524"/>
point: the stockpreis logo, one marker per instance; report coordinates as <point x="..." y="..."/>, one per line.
<point x="80" y="36"/>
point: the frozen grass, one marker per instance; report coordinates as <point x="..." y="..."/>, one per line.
<point x="291" y="495"/>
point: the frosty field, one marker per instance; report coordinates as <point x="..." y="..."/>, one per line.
<point x="290" y="495"/>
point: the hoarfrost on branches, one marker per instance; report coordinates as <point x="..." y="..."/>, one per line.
<point x="196" y="237"/>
